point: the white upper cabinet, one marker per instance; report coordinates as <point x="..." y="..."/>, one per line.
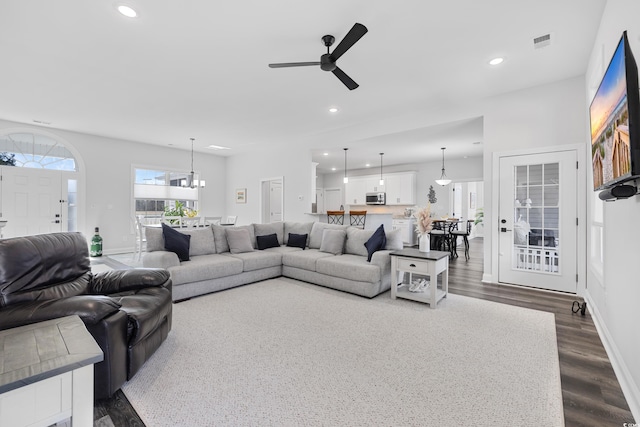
<point x="401" y="188"/>
<point x="355" y="191"/>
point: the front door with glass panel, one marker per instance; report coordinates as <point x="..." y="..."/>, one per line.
<point x="538" y="230"/>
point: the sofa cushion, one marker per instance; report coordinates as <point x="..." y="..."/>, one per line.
<point x="202" y="242"/>
<point x="257" y="260"/>
<point x="205" y="267"/>
<point x="297" y="228"/>
<point x="176" y="242"/>
<point x="239" y="240"/>
<point x="268" y="241"/>
<point x="350" y="267"/>
<point x="305" y="260"/>
<point x="155" y="241"/>
<point x="356" y="238"/>
<point x="376" y="242"/>
<point x="394" y="240"/>
<point x="297" y="240"/>
<point x="315" y="236"/>
<point x="266" y="229"/>
<point x="333" y="241"/>
<point x="220" y="238"/>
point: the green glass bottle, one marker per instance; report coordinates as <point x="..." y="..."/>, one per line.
<point x="96" y="244"/>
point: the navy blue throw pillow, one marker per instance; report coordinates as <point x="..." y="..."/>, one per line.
<point x="176" y="242"/>
<point x="377" y="241"/>
<point x="268" y="241"/>
<point x="297" y="240"/>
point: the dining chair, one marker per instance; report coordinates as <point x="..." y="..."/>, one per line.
<point x="212" y="220"/>
<point x="191" y="222"/>
<point x="174" y="221"/>
<point x="335" y="217"/>
<point x="141" y="238"/>
<point x="357" y="218"/>
<point x="231" y="220"/>
<point x="438" y="235"/>
<point x="464" y="233"/>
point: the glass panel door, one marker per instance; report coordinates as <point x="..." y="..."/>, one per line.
<point x="538" y="220"/>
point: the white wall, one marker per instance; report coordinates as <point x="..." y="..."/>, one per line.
<point x="246" y="171"/>
<point x="614" y="293"/>
<point x="107" y="179"/>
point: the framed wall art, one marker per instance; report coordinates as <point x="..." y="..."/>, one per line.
<point x="241" y="195"/>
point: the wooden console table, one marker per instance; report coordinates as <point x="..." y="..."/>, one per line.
<point x="430" y="264"/>
<point x="46" y="374"/>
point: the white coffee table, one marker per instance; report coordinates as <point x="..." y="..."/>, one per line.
<point x="414" y="262"/>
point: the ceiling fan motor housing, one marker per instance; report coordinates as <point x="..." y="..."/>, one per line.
<point x="327" y="63"/>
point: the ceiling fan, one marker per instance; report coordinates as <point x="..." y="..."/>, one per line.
<point x="328" y="60"/>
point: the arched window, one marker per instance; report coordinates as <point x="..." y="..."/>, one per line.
<point x="30" y="150"/>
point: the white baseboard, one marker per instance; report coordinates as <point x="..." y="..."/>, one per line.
<point x="628" y="385"/>
<point x="487" y="278"/>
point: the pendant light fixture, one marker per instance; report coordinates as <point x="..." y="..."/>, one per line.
<point x="381" y="179"/>
<point x="443" y="178"/>
<point x="345" y="179"/>
<point x="192" y="182"/>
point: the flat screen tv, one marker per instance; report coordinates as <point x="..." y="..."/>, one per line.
<point x="615" y="121"/>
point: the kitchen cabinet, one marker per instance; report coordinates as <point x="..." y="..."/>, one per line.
<point x="401" y="188"/>
<point x="355" y="191"/>
<point x="407" y="227"/>
<point x="373" y="184"/>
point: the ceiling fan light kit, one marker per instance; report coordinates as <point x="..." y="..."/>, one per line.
<point x="328" y="60"/>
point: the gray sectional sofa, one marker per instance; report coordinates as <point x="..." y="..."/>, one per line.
<point x="225" y="257"/>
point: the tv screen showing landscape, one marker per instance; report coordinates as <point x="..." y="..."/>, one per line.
<point x="609" y="112"/>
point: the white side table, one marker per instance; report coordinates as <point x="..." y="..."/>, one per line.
<point x="412" y="261"/>
<point x="47" y="373"/>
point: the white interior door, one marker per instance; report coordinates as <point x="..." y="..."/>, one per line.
<point x="538" y="220"/>
<point x="275" y="201"/>
<point x="32" y="201"/>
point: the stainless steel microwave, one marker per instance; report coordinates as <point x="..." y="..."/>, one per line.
<point x="376" y="198"/>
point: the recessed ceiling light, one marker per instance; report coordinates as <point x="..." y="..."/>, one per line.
<point x="218" y="147"/>
<point x="333" y="110"/>
<point x="333" y="169"/>
<point x="325" y="154"/>
<point x="367" y="165"/>
<point x="127" y="11"/>
<point x="496" y="61"/>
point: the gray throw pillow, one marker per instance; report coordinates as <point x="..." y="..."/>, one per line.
<point x="315" y="237"/>
<point x="356" y="238"/>
<point x="333" y="241"/>
<point x="239" y="240"/>
<point x="394" y="240"/>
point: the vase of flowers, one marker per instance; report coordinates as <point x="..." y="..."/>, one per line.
<point x="424" y="225"/>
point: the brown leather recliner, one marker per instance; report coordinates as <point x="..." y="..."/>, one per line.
<point x="128" y="312"/>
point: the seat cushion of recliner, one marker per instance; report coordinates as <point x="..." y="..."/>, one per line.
<point x="145" y="309"/>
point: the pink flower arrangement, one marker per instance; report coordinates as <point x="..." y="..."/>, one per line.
<point x="424" y="223"/>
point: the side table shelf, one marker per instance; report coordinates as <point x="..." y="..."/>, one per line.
<point x="422" y="264"/>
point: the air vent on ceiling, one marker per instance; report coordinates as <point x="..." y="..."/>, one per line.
<point x="542" y="41"/>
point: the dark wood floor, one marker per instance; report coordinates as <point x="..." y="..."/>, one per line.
<point x="590" y="391"/>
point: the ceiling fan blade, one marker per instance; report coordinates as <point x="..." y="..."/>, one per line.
<point x="348" y="81"/>
<point x="355" y="33"/>
<point x="293" y="64"/>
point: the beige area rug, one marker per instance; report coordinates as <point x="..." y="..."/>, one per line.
<point x="288" y="353"/>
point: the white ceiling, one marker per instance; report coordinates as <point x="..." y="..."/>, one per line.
<point x="197" y="68"/>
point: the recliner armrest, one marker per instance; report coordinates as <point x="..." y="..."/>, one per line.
<point x="91" y="309"/>
<point x="114" y="281"/>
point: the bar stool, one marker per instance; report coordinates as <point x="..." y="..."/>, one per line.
<point x="358" y="218"/>
<point x="335" y="217"/>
